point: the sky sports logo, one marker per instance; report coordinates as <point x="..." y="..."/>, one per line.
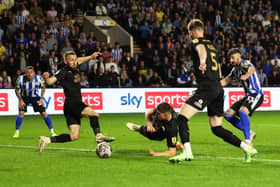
<point x="4" y="102"/>
<point x="238" y="95"/>
<point x="175" y="99"/>
<point x="93" y="99"/>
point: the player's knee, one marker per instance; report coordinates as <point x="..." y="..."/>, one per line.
<point x="92" y="114"/>
<point x="244" y="110"/>
<point x="44" y="114"/>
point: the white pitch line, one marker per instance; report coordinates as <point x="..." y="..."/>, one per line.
<point x="93" y="150"/>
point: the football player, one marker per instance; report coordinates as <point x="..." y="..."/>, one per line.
<point x="160" y="126"/>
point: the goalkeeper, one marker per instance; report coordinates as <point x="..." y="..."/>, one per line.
<point x="160" y="126"/>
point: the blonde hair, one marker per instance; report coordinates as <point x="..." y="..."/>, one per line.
<point x="195" y="24"/>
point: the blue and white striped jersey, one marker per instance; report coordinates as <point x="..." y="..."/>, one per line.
<point x="252" y="84"/>
<point x="29" y="88"/>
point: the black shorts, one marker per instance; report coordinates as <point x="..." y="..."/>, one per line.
<point x="169" y="132"/>
<point x="251" y="102"/>
<point x="72" y="111"/>
<point x="35" y="102"/>
<point x="210" y="94"/>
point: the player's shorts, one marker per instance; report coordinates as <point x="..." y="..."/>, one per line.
<point x="35" y="102"/>
<point x="72" y="111"/>
<point x="251" y="102"/>
<point x="210" y="94"/>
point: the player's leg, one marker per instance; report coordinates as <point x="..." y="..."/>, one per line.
<point x="219" y="131"/>
<point x="19" y="119"/>
<point x="229" y="137"/>
<point x="244" y="118"/>
<point x="74" y="135"/>
<point x="73" y="120"/>
<point x="230" y="115"/>
<point x="48" y="122"/>
<point x="38" y="106"/>
<point x="22" y="108"/>
<point x="250" y="104"/>
<point x="186" y="113"/>
<point x="94" y="123"/>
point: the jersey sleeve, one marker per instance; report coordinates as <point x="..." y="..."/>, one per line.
<point x="60" y="74"/>
<point x="231" y="75"/>
<point x="41" y="81"/>
<point x="18" y="82"/>
<point x="246" y="64"/>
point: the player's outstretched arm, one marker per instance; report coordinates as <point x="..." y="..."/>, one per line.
<point x="94" y="55"/>
<point x="49" y="80"/>
<point x="170" y="152"/>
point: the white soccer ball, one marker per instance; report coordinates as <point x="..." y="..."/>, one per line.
<point x="104" y="150"/>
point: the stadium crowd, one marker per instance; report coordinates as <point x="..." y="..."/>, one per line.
<point x="38" y="32"/>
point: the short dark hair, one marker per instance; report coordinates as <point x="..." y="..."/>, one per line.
<point x="164" y="107"/>
<point x="29" y="67"/>
<point x="195" y="24"/>
<point x="233" y="51"/>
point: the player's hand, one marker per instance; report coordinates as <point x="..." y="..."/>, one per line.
<point x="152" y="152"/>
<point x="202" y="67"/>
<point x="95" y="55"/>
<point x="244" y="77"/>
<point x="46" y="75"/>
<point x="150" y="128"/>
<point x="21" y="104"/>
<point x="41" y="102"/>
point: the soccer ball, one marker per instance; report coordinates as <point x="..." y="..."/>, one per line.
<point x="104" y="150"/>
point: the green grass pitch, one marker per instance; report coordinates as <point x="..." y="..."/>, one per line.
<point x="76" y="164"/>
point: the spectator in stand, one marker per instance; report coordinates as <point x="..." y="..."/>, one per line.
<point x="36" y="10"/>
<point x="173" y="74"/>
<point x="51" y="41"/>
<point x="68" y="46"/>
<point x="12" y="66"/>
<point x="262" y="77"/>
<point x="124" y="79"/>
<point x="141" y="80"/>
<point x="117" y="52"/>
<point x="184" y="78"/>
<point x="53" y="62"/>
<point x="148" y="55"/>
<point x="275" y="62"/>
<point x="155" y="81"/>
<point x="100" y="9"/>
<point x="134" y="74"/>
<point x="3" y="63"/>
<point x="2" y="49"/>
<point x="267" y="67"/>
<point x="100" y="80"/>
<point x="34" y="55"/>
<point x="51" y="14"/>
<point x="5" y="80"/>
<point x="84" y="82"/>
<point x="274" y="78"/>
<point x="23" y="61"/>
<point x="113" y="78"/>
<point x="100" y="64"/>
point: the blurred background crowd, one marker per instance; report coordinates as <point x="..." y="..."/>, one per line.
<point x="38" y="32"/>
